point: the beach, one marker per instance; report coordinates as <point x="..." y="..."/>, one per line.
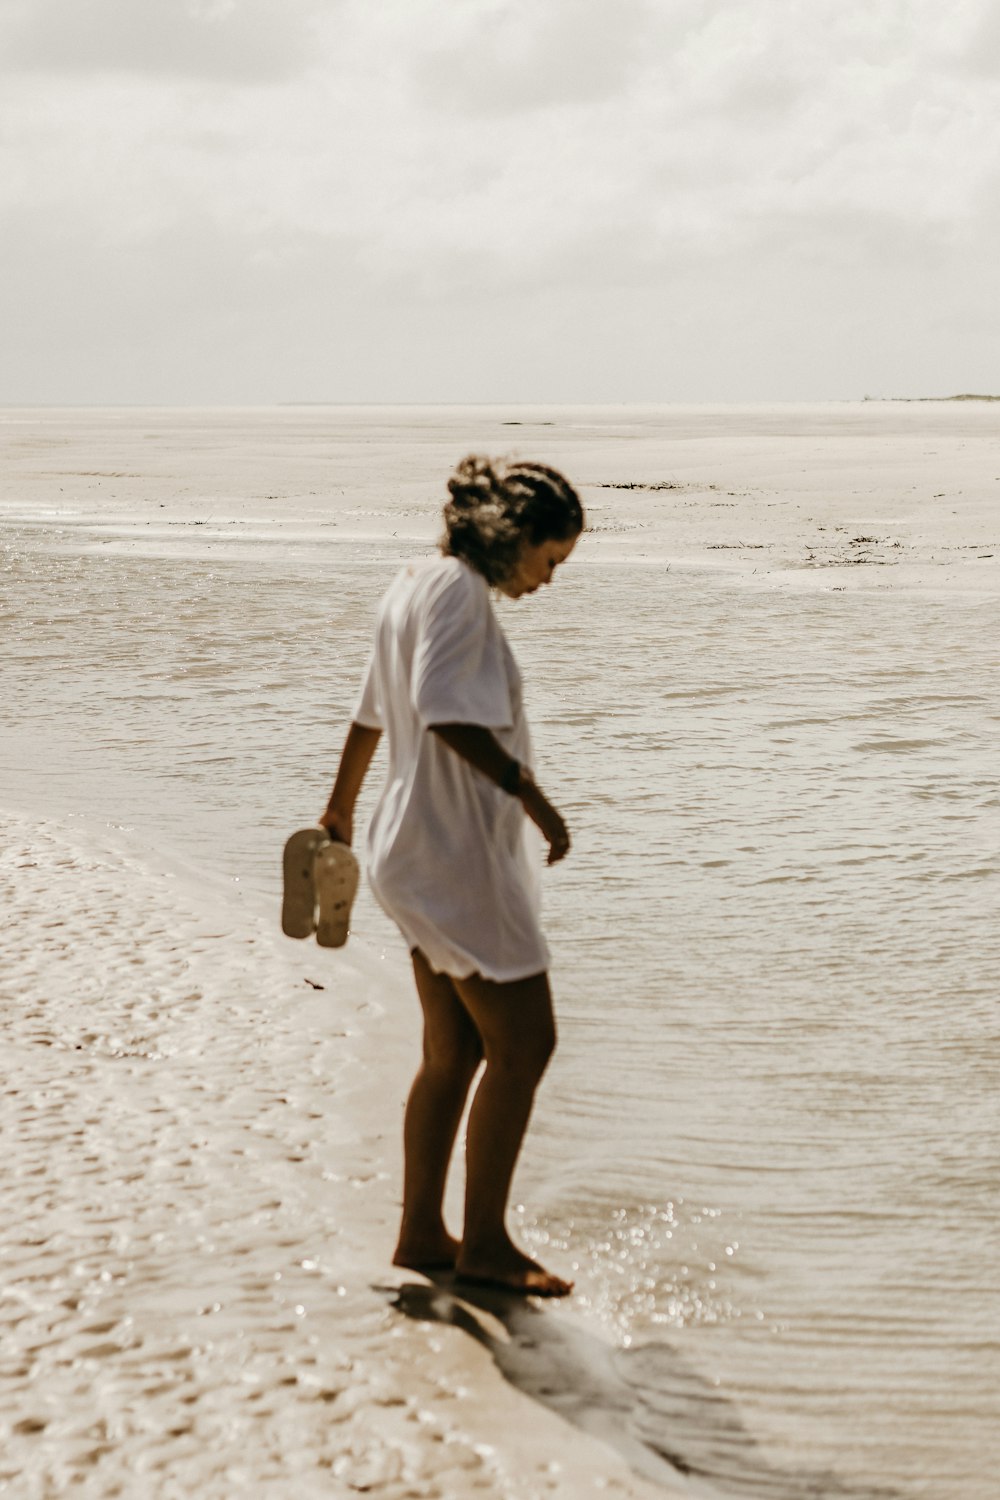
<point x="196" y="1212"/>
<point x="764" y="693"/>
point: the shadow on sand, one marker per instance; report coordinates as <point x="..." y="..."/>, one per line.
<point x="647" y="1403"/>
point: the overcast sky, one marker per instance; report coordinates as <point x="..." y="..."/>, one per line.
<point x="498" y="200"/>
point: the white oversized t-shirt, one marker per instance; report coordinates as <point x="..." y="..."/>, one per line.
<point x="451" y="858"/>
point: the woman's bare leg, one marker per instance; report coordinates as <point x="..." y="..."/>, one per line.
<point x="518" y="1031"/>
<point x="452" y="1053"/>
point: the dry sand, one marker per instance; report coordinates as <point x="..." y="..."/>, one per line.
<point x="860" y="497"/>
<point x="863" y="495"/>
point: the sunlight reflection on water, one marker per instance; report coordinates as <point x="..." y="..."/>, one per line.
<point x="770" y="1132"/>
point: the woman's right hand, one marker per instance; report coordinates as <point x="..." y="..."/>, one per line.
<point x="339" y="825"/>
<point x="355" y="758"/>
<point x="546" y="819"/>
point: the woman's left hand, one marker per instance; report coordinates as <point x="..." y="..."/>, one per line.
<point x="546" y="819"/>
<point x="558" y="842"/>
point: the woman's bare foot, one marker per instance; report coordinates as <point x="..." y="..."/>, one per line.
<point x="437" y="1252"/>
<point x="510" y="1270"/>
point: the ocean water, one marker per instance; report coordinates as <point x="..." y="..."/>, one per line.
<point x="769" y="1140"/>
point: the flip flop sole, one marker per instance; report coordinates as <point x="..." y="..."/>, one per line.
<point x="336" y="873"/>
<point x="298" y="904"/>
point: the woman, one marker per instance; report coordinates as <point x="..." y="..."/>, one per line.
<point x="447" y="856"/>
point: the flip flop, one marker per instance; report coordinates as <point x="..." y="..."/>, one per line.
<point x="335" y="875"/>
<point x="298" y="906"/>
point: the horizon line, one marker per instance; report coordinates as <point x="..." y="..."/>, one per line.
<point x="283" y="404"/>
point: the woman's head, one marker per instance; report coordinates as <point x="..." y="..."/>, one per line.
<point x="512" y="522"/>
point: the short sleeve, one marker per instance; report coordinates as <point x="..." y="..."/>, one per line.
<point x="459" y="671"/>
<point x="368" y="709"/>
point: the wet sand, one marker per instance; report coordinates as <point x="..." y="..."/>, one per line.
<point x="196" y="1208"/>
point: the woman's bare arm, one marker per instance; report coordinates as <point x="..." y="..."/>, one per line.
<point x="481" y="748"/>
<point x="355" y="758"/>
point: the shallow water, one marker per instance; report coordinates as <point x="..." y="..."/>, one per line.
<point x="769" y="1139"/>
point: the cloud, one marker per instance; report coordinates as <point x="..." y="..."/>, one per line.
<point x="503" y="135"/>
<point x="237" y="40"/>
<point x="569" y="159"/>
<point x="511" y="56"/>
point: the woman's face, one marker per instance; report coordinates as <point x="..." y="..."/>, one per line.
<point x="536" y="564"/>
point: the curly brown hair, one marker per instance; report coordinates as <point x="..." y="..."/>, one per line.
<point x="497" y="505"/>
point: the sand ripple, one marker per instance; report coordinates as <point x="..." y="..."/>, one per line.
<point x="186" y="1304"/>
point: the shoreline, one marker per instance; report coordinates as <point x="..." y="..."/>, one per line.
<point x="197" y="1229"/>
<point x="189" y="610"/>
